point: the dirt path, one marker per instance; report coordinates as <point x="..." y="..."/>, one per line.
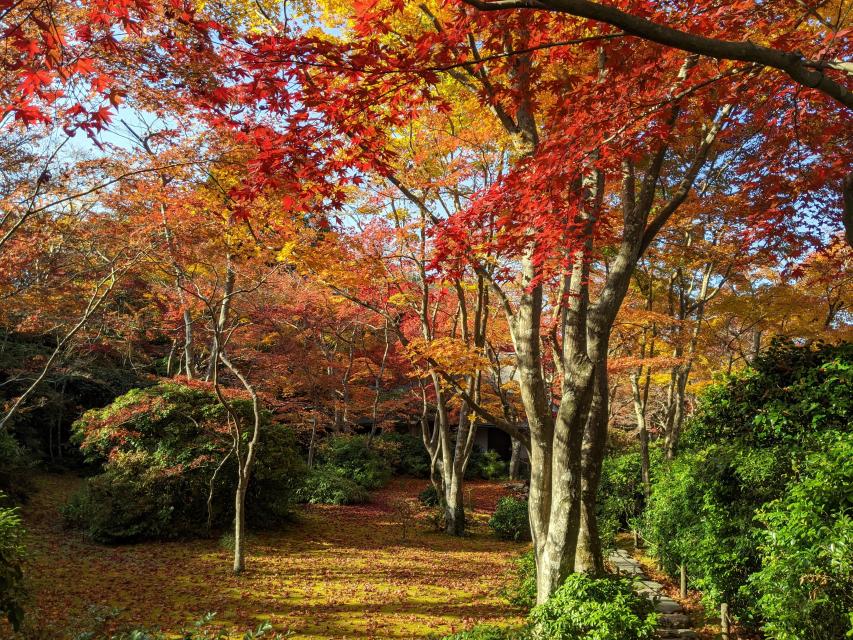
<point x="339" y="572"/>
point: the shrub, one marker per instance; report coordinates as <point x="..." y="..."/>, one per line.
<point x="351" y="457"/>
<point x="489" y="632"/>
<point x="160" y="447"/>
<point x="491" y="467"/>
<point x="429" y="497"/>
<point x="522" y="591"/>
<point x="201" y="630"/>
<point x="587" y="608"/>
<point x="733" y="504"/>
<point x="510" y="520"/>
<point x="326" y="485"/>
<point x="620" y="494"/>
<point x="805" y="583"/>
<point x="15" y="467"/>
<point x="12" y="593"/>
<point x="411" y="457"/>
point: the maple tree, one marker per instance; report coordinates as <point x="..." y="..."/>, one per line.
<point x="545" y="215"/>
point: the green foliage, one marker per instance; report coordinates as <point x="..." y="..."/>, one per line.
<point x="510" y="520"/>
<point x="587" y="608"/>
<point x="199" y="631"/>
<point x="429" y="497"/>
<point x="16" y="465"/>
<point x="491" y="467"/>
<point x="489" y="632"/>
<point x="747" y="451"/>
<point x="411" y="457"/>
<point x="352" y="458"/>
<point x="805" y="583"/>
<point x="160" y="447"/>
<point x="620" y="494"/>
<point x="12" y="592"/>
<point x="326" y="485"/>
<point x="522" y="591"/>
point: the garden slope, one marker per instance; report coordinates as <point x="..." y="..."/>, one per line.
<point x="339" y="572"/>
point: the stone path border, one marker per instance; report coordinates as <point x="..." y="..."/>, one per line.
<point x="674" y="623"/>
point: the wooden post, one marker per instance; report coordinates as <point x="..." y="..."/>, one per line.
<point x="724" y="621"/>
<point x="683" y="579"/>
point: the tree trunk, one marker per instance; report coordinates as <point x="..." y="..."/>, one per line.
<point x="222" y="320"/>
<point x="240" y="527"/>
<point x="515" y="459"/>
<point x="588" y="556"/>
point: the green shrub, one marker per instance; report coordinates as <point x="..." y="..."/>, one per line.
<point x="489" y="632"/>
<point x="733" y="505"/>
<point x="511" y="520"/>
<point x="325" y="485"/>
<point x="201" y="630"/>
<point x="12" y="592"/>
<point x="351" y="457"/>
<point x="411" y="457"/>
<point x="586" y="608"/>
<point x="16" y="466"/>
<point x="491" y="466"/>
<point x="160" y="447"/>
<point x="620" y="494"/>
<point x="522" y="591"/>
<point x="430" y="497"/>
<point x="805" y="583"/>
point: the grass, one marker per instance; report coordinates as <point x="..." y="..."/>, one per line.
<point x="339" y="572"/>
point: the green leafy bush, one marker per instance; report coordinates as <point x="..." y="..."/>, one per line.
<point x="160" y="447"/>
<point x="429" y="497"/>
<point x="620" y="494"/>
<point x="746" y="452"/>
<point x="587" y="608"/>
<point x="16" y="465"/>
<point x="805" y="583"/>
<point x="521" y="592"/>
<point x="351" y="457"/>
<point x="12" y="592"/>
<point x="492" y="467"/>
<point x="510" y="520"/>
<point x="326" y="485"/>
<point x="411" y="457"/>
<point x="489" y="632"/>
<point x="201" y="630"/>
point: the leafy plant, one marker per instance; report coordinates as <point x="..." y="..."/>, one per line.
<point x="161" y="448"/>
<point x="522" y="591"/>
<point x="411" y="457"/>
<point x="491" y="466"/>
<point x="489" y="632"/>
<point x="510" y="520"/>
<point x="587" y="608"/>
<point x="755" y="439"/>
<point x="351" y="457"/>
<point x="430" y="497"/>
<point x="326" y="485"/>
<point x="805" y="583"/>
<point x="12" y="552"/>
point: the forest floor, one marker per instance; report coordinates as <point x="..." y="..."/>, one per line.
<point x="337" y="572"/>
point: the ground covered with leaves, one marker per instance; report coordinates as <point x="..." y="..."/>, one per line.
<point x="337" y="572"/>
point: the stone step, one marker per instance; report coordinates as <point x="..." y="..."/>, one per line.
<point x="674" y="620"/>
<point x="677" y="634"/>
<point x="667" y="605"/>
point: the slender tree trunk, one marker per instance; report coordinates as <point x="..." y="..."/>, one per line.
<point x="222" y="320"/>
<point x="588" y="556"/>
<point x="240" y="526"/>
<point x="515" y="459"/>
